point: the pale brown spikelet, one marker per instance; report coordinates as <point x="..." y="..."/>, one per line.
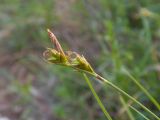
<point x="55" y="42"/>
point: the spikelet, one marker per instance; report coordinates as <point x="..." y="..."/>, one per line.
<point x="71" y="58"/>
<point x="56" y="55"/>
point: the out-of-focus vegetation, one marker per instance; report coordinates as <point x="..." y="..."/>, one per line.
<point x="115" y="35"/>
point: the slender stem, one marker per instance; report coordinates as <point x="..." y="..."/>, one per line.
<point x="144" y="90"/>
<point x="97" y="98"/>
<point x="126" y="107"/>
<point x="124" y="93"/>
<point x="133" y="108"/>
<point x="138" y="112"/>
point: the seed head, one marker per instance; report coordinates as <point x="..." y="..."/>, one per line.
<point x="71" y="59"/>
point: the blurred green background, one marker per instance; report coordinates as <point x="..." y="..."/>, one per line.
<point x="112" y="34"/>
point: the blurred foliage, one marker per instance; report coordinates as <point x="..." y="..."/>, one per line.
<point x="127" y="33"/>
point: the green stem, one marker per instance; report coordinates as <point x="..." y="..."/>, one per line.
<point x="138" y="112"/>
<point x="97" y="98"/>
<point x="144" y="90"/>
<point x="124" y="93"/>
<point x="126" y="107"/>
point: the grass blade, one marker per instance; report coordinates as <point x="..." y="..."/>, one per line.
<point x="126" y="94"/>
<point x="143" y="89"/>
<point x="97" y="98"/>
<point x="139" y="112"/>
<point x="127" y="109"/>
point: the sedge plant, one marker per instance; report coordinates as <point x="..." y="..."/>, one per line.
<point x="76" y="61"/>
